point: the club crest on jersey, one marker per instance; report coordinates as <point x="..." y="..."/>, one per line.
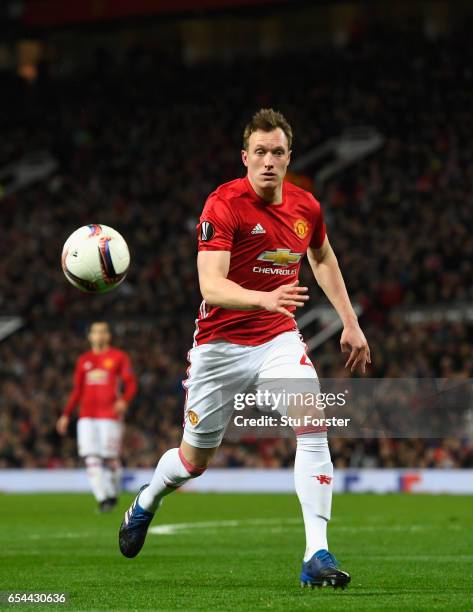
<point x="207" y="231"/>
<point x="301" y="227"/>
<point x="280" y="257"/>
<point x="108" y="363"/>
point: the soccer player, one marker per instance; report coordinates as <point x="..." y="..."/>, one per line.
<point x="99" y="376"/>
<point x="253" y="233"/>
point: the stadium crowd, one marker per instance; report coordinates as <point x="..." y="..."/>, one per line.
<point x="37" y="374"/>
<point x="142" y="141"/>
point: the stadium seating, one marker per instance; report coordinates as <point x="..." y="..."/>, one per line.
<point x="141" y="146"/>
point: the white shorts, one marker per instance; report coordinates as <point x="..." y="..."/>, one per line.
<point x="99" y="437"/>
<point x="220" y="369"/>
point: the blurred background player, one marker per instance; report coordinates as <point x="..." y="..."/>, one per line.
<point x="104" y="385"/>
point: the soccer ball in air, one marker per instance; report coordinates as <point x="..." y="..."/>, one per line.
<point x="95" y="258"/>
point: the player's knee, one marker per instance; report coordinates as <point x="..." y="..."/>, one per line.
<point x="93" y="461"/>
<point x="315" y="442"/>
<point x="112" y="463"/>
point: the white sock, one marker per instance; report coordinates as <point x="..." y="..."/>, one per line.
<point x="95" y="473"/>
<point x="117" y="475"/>
<point x="172" y="471"/>
<point x="313" y="478"/>
<point x="112" y="476"/>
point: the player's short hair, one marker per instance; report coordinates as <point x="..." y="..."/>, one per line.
<point x="267" y="120"/>
<point x="99" y="322"/>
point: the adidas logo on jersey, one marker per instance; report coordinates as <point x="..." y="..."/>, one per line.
<point x="258" y="229"/>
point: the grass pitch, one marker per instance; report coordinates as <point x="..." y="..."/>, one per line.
<point x="239" y="552"/>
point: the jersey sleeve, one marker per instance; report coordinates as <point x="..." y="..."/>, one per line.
<point x="319" y="232"/>
<point x="128" y="378"/>
<point x="217" y="225"/>
<point x="76" y="393"/>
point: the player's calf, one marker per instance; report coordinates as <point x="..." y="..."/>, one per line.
<point x="95" y="474"/>
<point x="172" y="471"/>
<point x="112" y="482"/>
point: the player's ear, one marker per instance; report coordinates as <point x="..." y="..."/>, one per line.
<point x="244" y="157"/>
<point x="289" y="157"/>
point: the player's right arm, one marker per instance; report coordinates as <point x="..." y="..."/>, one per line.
<point x="218" y="290"/>
<point x="217" y="228"/>
<point x="74" y="398"/>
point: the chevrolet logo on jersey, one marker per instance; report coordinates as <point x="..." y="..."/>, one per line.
<point x="280" y="257"/>
<point x="96" y="377"/>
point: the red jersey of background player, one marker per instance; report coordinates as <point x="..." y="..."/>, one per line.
<point x="97" y="381"/>
<point x="267" y="244"/>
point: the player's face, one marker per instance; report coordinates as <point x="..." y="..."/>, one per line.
<point x="267" y="158"/>
<point x="99" y="336"/>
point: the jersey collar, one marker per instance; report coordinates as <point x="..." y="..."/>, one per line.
<point x="261" y="200"/>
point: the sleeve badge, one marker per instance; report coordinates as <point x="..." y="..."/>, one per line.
<point x="207" y="231"/>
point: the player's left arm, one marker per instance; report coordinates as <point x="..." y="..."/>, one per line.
<point x="129" y="386"/>
<point x="324" y="264"/>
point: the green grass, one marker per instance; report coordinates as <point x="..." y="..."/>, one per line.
<point x="404" y="553"/>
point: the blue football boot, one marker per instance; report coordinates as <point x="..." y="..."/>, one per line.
<point x="134" y="528"/>
<point x="322" y="570"/>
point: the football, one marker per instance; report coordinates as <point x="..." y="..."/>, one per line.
<point x="95" y="258"/>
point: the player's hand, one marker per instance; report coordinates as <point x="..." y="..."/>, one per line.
<point x="62" y="424"/>
<point x="353" y="341"/>
<point x="284" y="296"/>
<point x="121" y="407"/>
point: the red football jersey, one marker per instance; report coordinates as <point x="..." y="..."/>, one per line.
<point x="267" y="244"/>
<point x="97" y="381"/>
